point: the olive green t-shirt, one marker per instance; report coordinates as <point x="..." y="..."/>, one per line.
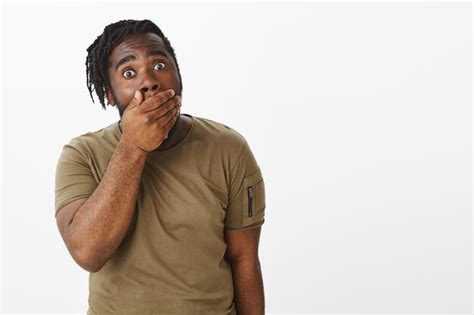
<point x="171" y="260"/>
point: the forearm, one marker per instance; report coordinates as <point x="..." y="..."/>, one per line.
<point x="101" y="223"/>
<point x="249" y="295"/>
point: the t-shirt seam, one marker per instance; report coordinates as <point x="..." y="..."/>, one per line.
<point x="231" y="169"/>
<point x="240" y="154"/>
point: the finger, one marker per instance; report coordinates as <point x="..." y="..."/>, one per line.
<point x="157" y="100"/>
<point x="169" y="124"/>
<point x="165" y="108"/>
<point x="167" y="117"/>
<point x="136" y="100"/>
<point x="166" y="122"/>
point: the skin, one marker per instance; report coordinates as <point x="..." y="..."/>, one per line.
<point x="242" y="254"/>
<point x="149" y="74"/>
<point x="93" y="227"/>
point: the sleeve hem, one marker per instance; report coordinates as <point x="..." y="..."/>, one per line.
<point x="245" y="227"/>
<point x="68" y="201"/>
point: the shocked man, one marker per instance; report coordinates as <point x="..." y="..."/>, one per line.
<point x="163" y="209"/>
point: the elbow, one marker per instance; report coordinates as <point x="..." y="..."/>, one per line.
<point x="88" y="255"/>
<point x="85" y="257"/>
<point x="88" y="261"/>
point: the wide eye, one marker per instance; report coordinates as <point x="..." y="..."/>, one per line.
<point x="159" y="65"/>
<point x="128" y="73"/>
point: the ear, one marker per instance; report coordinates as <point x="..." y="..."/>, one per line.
<point x="110" y="97"/>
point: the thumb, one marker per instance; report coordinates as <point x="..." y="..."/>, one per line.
<point x="137" y="99"/>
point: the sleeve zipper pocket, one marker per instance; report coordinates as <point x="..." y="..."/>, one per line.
<point x="250" y="199"/>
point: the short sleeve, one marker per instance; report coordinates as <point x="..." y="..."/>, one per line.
<point x="246" y="206"/>
<point x="74" y="178"/>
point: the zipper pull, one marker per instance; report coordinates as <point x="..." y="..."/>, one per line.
<point x="250" y="195"/>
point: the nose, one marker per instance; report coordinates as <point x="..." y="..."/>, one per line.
<point x="150" y="85"/>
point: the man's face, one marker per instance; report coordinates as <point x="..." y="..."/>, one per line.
<point x="140" y="62"/>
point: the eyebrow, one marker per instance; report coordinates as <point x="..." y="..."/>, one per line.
<point x="153" y="52"/>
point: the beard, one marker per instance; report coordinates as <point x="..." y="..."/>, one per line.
<point x="117" y="105"/>
<point x="119" y="109"/>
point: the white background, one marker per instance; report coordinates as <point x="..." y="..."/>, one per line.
<point x="359" y="115"/>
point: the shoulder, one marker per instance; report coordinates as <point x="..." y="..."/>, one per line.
<point x="95" y="140"/>
<point x="219" y="134"/>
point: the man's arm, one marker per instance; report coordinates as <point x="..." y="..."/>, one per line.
<point x="242" y="254"/>
<point x="94" y="228"/>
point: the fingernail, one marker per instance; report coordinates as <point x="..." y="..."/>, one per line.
<point x="137" y="94"/>
<point x="172" y="92"/>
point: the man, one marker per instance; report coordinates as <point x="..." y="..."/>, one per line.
<point x="164" y="210"/>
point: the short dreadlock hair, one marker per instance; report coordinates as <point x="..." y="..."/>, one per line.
<point x="98" y="53"/>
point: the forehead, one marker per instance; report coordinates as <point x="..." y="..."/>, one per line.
<point x="134" y="43"/>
